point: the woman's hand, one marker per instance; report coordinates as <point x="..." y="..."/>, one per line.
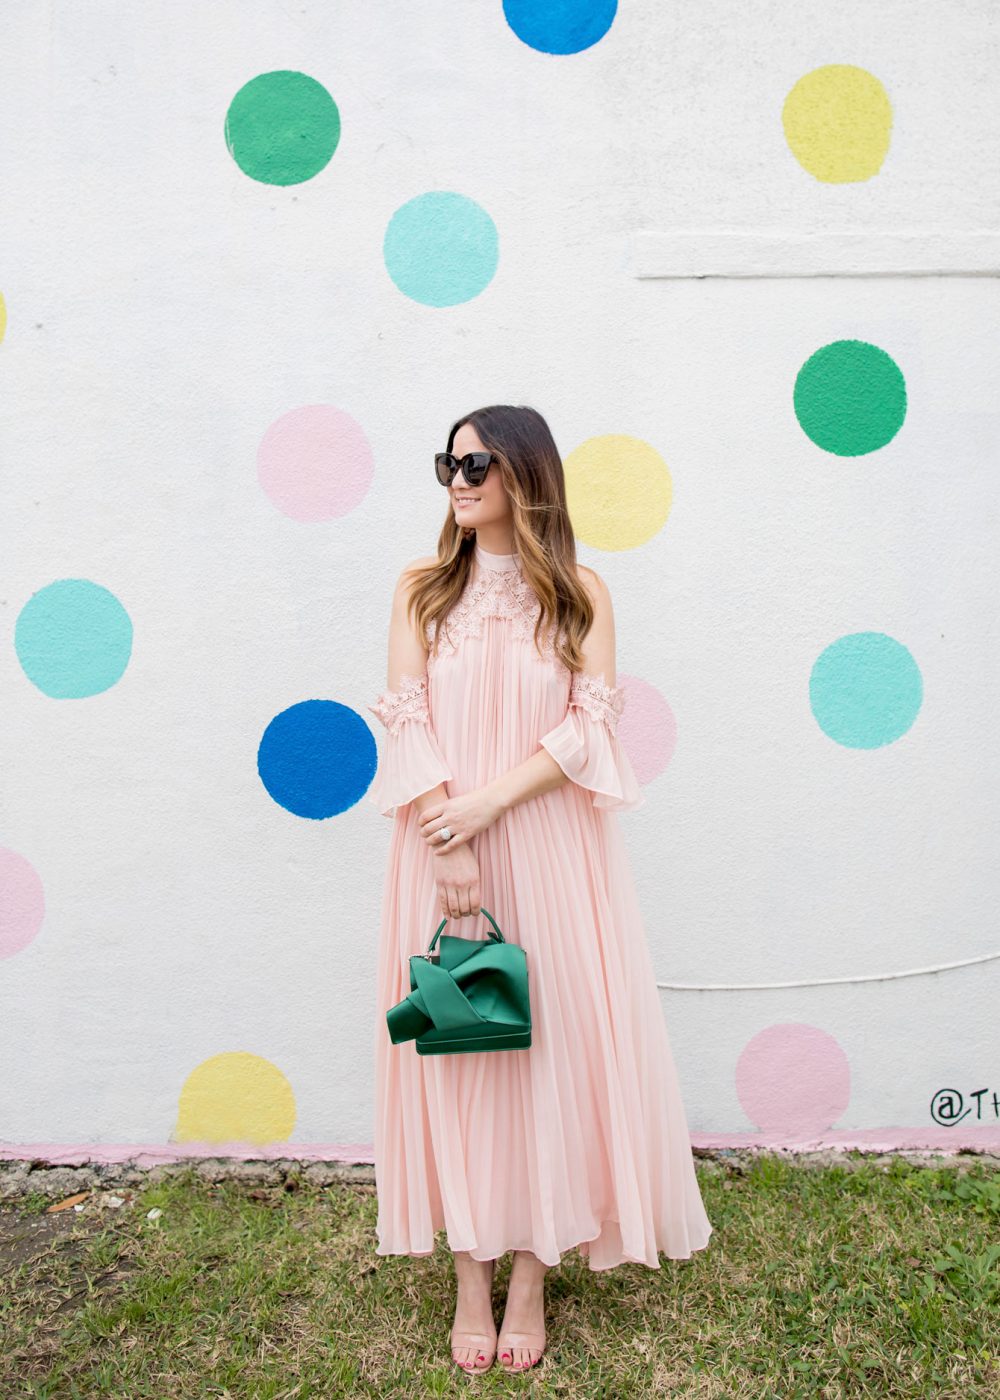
<point x="464" y="816"/>
<point x="457" y="876"/>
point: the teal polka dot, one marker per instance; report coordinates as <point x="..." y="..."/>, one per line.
<point x="73" y="638"/>
<point x="282" y="127"/>
<point x="441" y="248"/>
<point x="850" y="398"/>
<point x="865" y="690"/>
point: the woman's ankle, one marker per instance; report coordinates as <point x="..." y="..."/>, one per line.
<point x="472" y="1273"/>
<point x="528" y="1268"/>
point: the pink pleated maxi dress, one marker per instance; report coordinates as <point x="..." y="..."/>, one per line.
<point x="580" y="1140"/>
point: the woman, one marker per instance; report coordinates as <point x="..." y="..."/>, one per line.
<point x="504" y="773"/>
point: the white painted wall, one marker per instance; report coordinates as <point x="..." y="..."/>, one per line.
<point x="165" y="311"/>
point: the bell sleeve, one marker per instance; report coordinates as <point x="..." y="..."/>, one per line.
<point x="411" y="761"/>
<point x="587" y="748"/>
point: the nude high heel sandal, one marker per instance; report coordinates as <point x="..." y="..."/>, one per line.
<point x="509" y="1343"/>
<point x="520" y="1341"/>
<point x="484" y="1346"/>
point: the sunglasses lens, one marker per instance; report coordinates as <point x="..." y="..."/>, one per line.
<point x="474" y="466"/>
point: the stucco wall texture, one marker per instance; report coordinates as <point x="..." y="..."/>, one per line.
<point x="255" y="260"/>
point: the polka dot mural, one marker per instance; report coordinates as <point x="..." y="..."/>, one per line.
<point x="22" y="902"/>
<point x="838" y="120"/>
<point x="850" y="398"/>
<point x="73" y="638"/>
<point x="317" y="758"/>
<point x="793" y="1079"/>
<point x="235" y="1097"/>
<point x="619" y="491"/>
<point x="315" y="463"/>
<point x="441" y="248"/>
<point x="865" y="690"/>
<point x="282" y="128"/>
<point x="560" y="26"/>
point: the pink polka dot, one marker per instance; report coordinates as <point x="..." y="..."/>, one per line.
<point x="647" y="728"/>
<point x="793" y="1078"/>
<point x="22" y="902"/>
<point x="315" y="463"/>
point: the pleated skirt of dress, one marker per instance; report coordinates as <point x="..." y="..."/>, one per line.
<point x="578" y="1141"/>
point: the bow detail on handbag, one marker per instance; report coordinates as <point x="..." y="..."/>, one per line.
<point x="470" y="995"/>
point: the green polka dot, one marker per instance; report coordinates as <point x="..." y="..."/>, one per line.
<point x="282" y="128"/>
<point x="850" y="398"/>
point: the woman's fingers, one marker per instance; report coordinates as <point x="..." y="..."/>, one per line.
<point x="436" y="844"/>
<point x="473" y="905"/>
<point x="461" y="904"/>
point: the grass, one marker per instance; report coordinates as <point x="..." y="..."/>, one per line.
<point x="819" y="1282"/>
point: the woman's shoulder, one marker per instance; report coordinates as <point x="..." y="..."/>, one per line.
<point x="593" y="582"/>
<point x="411" y="570"/>
<point x="424" y="562"/>
<point x="427" y="560"/>
<point x="590" y="578"/>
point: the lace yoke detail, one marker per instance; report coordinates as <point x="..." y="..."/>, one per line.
<point x="593" y="694"/>
<point x="408" y="701"/>
<point x="496" y="593"/>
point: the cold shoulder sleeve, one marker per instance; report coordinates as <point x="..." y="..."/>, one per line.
<point x="412" y="761"/>
<point x="587" y="748"/>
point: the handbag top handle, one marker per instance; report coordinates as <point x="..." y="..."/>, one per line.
<point x="498" y="939"/>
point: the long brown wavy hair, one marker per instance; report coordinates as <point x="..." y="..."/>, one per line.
<point x="532" y="473"/>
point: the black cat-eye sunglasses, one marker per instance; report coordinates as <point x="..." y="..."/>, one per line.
<point x="474" y="466"/>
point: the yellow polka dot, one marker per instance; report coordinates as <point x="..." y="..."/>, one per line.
<point x="235" y="1097"/>
<point x="838" y="121"/>
<point x="618" y="490"/>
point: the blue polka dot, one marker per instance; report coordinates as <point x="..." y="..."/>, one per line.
<point x="317" y="758"/>
<point x="865" y="690"/>
<point x="560" y="26"/>
<point x="441" y="248"/>
<point x="73" y="638"/>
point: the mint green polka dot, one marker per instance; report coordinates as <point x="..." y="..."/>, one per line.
<point x="282" y="127"/>
<point x="441" y="248"/>
<point x="73" y="638"/>
<point x="850" y="398"/>
<point x="865" y="690"/>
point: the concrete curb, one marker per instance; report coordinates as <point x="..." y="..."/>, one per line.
<point x="21" y="1178"/>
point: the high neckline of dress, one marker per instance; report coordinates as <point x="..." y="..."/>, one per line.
<point x="496" y="563"/>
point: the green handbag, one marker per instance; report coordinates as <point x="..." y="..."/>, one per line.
<point x="470" y="995"/>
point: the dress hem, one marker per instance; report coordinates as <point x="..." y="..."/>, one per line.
<point x="566" y="1249"/>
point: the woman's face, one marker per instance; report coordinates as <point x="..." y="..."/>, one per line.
<point x="477" y="506"/>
